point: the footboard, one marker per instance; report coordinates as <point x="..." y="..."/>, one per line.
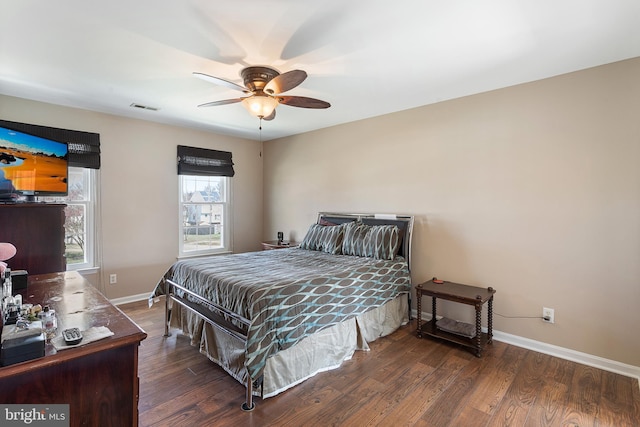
<point x="213" y="314"/>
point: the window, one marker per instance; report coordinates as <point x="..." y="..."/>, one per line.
<point x="79" y="218"/>
<point x="204" y="214"/>
<point x="205" y="199"/>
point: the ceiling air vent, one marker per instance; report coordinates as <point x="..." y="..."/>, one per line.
<point x="143" y="107"/>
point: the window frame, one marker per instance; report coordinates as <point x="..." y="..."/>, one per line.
<point x="90" y="205"/>
<point x="226" y="223"/>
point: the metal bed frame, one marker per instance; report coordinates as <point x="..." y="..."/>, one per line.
<point x="221" y="318"/>
<point x="213" y="314"/>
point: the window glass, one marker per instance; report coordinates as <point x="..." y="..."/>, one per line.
<point x="79" y="218"/>
<point x="204" y="203"/>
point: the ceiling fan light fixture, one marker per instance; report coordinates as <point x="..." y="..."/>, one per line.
<point x="260" y="105"/>
<point x="265" y="86"/>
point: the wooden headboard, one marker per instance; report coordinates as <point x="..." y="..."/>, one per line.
<point x="403" y="222"/>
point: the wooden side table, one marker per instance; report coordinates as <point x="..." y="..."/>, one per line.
<point x="274" y="244"/>
<point x="464" y="294"/>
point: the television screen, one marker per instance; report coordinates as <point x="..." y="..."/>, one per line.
<point x="31" y="166"/>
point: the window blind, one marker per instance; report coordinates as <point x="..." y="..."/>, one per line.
<point x="202" y="161"/>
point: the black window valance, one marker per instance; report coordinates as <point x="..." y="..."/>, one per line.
<point x="202" y="161"/>
<point x="84" y="147"/>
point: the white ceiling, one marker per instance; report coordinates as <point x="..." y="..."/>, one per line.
<point x="365" y="57"/>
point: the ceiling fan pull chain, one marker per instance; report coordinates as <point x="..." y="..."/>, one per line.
<point x="260" y="132"/>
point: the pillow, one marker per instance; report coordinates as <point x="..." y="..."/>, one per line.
<point x="323" y="238"/>
<point x="373" y="241"/>
<point x="382" y="242"/>
<point x="353" y="240"/>
<point x="324" y="222"/>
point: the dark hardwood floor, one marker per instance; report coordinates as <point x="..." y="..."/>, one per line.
<point x="402" y="381"/>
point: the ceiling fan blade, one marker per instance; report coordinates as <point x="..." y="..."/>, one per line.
<point x="285" y="81"/>
<point x="221" y="82"/>
<point x="270" y="116"/>
<point x="223" y="102"/>
<point x="303" y="102"/>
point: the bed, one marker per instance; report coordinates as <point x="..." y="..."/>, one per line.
<point x="274" y="318"/>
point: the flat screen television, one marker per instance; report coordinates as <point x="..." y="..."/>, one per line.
<point x="31" y="166"/>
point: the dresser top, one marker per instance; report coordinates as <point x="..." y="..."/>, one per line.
<point x="78" y="304"/>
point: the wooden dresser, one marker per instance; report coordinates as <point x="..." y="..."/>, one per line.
<point x="37" y="232"/>
<point x="99" y="380"/>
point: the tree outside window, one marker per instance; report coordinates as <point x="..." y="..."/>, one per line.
<point x="79" y="218"/>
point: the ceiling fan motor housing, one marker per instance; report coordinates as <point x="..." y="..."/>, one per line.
<point x="256" y="78"/>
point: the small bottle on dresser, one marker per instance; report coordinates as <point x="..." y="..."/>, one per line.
<point x="49" y="322"/>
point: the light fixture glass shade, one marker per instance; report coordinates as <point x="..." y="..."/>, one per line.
<point x="260" y="105"/>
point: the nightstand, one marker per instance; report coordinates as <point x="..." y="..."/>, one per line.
<point x="464" y="294"/>
<point x="274" y="244"/>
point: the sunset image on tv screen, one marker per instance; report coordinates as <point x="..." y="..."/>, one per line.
<point x="31" y="164"/>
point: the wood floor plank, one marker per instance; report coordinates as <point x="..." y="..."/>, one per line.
<point x="471" y="417"/>
<point x="496" y="379"/>
<point x="616" y="404"/>
<point x="574" y="418"/>
<point x="402" y="381"/>
<point x="514" y="408"/>
<point x="449" y="405"/>
<point x="396" y="392"/>
<point x="427" y="392"/>
<point x="585" y="391"/>
<point x="549" y="405"/>
<point x="560" y="370"/>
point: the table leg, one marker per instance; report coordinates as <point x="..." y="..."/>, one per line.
<point x="478" y="329"/>
<point x="490" y="321"/>
<point x="419" y="310"/>
<point x="433" y="311"/>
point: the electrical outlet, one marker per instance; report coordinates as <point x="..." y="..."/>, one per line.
<point x="548" y="315"/>
<point x="113" y="279"/>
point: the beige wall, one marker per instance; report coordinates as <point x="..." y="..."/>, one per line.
<point x="139" y="189"/>
<point x="533" y="189"/>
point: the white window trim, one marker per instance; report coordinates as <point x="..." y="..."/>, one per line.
<point x="91" y="266"/>
<point x="227" y="229"/>
<point x="91" y="209"/>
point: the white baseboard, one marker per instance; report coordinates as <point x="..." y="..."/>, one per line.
<point x="132" y="298"/>
<point x="568" y="354"/>
<point x="562" y="353"/>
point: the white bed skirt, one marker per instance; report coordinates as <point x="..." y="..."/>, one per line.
<point x="322" y="351"/>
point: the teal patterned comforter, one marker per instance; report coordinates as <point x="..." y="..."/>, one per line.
<point x="288" y="294"/>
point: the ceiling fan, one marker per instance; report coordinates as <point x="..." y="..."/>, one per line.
<point x="265" y="86"/>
